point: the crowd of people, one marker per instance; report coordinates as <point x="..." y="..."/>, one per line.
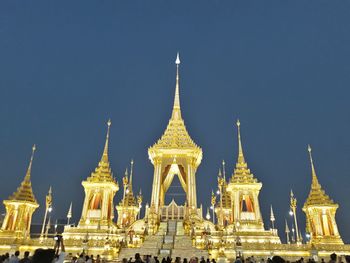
<point x="58" y="255"/>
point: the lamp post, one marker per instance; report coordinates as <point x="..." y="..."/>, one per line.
<point x="48" y="209"/>
<point x="293" y="207"/>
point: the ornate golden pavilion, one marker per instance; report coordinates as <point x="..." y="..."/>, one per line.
<point x="236" y="226"/>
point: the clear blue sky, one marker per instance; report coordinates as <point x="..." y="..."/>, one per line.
<point x="281" y="67"/>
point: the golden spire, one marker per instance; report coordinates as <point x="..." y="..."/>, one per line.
<point x="176" y="108"/>
<point x="25" y="192"/>
<point x="242" y="173"/>
<point x="315" y="182"/>
<point x="103" y="171"/>
<point x="317" y="195"/>
<point x="105" y="150"/>
<point x="240" y="149"/>
<point x="131" y="171"/>
<point x="176" y="135"/>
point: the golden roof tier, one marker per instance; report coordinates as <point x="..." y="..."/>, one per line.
<point x="317" y="195"/>
<point x="241" y="173"/>
<point x="176" y="136"/>
<point x="25" y="192"/>
<point x="103" y="171"/>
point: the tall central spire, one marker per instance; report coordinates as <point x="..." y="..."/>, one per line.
<point x="29" y="170"/>
<point x="315" y="183"/>
<point x="176" y="109"/>
<point x="240" y="149"/>
<point x="105" y="150"/>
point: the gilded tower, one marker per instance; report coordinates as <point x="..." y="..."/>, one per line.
<point x="129" y="207"/>
<point x="100" y="188"/>
<point x="320" y="213"/>
<point x="244" y="189"/>
<point x="175" y="154"/>
<point x="20" y="207"/>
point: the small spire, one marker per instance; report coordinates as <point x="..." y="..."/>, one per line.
<point x="176" y="109"/>
<point x="219" y="173"/>
<point x="69" y="214"/>
<point x="240" y="149"/>
<point x="272" y="216"/>
<point x="223" y="169"/>
<point x="27" y="177"/>
<point x="315" y="182"/>
<point x="131" y="170"/>
<point x="105" y="150"/>
<point x="287" y="227"/>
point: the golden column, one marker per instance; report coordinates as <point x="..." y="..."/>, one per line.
<point x="48" y="209"/>
<point x="293" y="207"/>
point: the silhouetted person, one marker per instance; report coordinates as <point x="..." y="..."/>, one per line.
<point x="278" y="259"/>
<point x="25" y="258"/>
<point x="333" y="257"/>
<point x="138" y="258"/>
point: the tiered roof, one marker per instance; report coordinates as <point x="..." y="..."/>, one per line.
<point x="25" y="192"/>
<point x="242" y="174"/>
<point x="317" y="195"/>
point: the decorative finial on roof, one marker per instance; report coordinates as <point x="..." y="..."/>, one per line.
<point x="27" y="177"/>
<point x="272" y="215"/>
<point x="223" y="169"/>
<point x="240" y="149"/>
<point x="131" y="172"/>
<point x="105" y="150"/>
<point x="313" y="171"/>
<point x="176" y="109"/>
<point x="177" y="61"/>
<point x="287" y="227"/>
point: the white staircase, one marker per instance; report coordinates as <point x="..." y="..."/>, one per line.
<point x="170" y="240"/>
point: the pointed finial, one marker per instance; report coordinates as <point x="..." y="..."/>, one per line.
<point x="105" y="150"/>
<point x="315" y="182"/>
<point x="176" y="109"/>
<point x="219" y="173"/>
<point x="287" y="227"/>
<point x="131" y="171"/>
<point x="272" y="216"/>
<point x="30" y="163"/>
<point x="177" y="61"/>
<point x="240" y="149"/>
<point x="223" y="169"/>
<point x="69" y="214"/>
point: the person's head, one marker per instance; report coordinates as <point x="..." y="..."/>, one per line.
<point x="333" y="256"/>
<point x="17" y="253"/>
<point x="43" y="256"/>
<point x="277" y="259"/>
<point x="92" y="256"/>
<point x="98" y="256"/>
<point x="137" y="256"/>
<point x="125" y="260"/>
<point x="86" y="257"/>
<point x="26" y="254"/>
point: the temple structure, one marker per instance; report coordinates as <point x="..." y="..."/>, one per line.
<point x="96" y="229"/>
<point x="129" y="207"/>
<point x="235" y="227"/>
<point x="20" y="207"/>
<point x="175" y="154"/>
<point x="320" y="213"/>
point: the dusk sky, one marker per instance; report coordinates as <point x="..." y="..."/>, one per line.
<point x="281" y="67"/>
